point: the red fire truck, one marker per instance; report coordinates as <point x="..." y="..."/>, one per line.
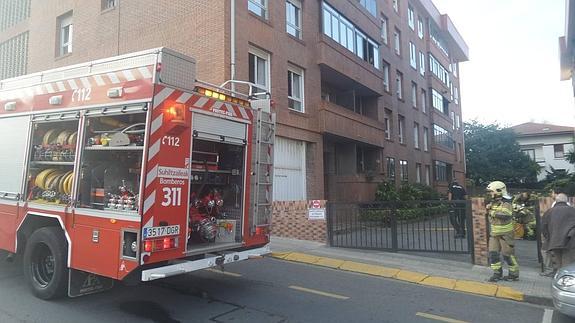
<point x="129" y="168"/>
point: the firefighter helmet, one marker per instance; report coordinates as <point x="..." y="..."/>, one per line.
<point x="497" y="189"/>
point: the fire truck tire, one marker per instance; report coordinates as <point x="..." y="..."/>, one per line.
<point x="45" y="263"/>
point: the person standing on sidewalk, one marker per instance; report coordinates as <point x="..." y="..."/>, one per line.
<point x="501" y="240"/>
<point x="457" y="210"/>
<point x="558" y="228"/>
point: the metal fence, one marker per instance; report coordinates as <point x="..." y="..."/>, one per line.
<point x="423" y="226"/>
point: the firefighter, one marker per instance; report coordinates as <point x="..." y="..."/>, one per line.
<point x="524" y="214"/>
<point x="501" y="241"/>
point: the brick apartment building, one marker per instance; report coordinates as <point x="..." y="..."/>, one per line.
<point x="365" y="90"/>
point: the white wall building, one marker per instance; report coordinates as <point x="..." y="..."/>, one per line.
<point x="546" y="144"/>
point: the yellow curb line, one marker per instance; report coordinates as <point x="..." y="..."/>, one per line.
<point x="467" y="286"/>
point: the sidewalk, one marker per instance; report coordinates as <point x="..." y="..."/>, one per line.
<point x="436" y="272"/>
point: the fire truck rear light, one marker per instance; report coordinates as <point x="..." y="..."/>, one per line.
<point x="148" y="246"/>
<point x="167" y="243"/>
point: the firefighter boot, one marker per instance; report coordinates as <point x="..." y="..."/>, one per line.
<point x="513" y="276"/>
<point x="513" y="268"/>
<point x="497" y="276"/>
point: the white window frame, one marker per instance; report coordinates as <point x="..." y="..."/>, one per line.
<point x="416" y="135"/>
<point x="384" y="29"/>
<point x="399" y="85"/>
<point x="400" y="126"/>
<point x="456" y="94"/>
<point x="396" y="5"/>
<point x="371" y="7"/>
<point x="397" y="42"/>
<point x="403" y="170"/>
<point x="427" y="175"/>
<point x="387" y="127"/>
<point x="266" y="57"/>
<point x="66" y="20"/>
<point x="420" y="27"/>
<point x="300" y="72"/>
<point x="414" y="94"/>
<point x="423" y="101"/>
<point x="109" y="4"/>
<point x="262" y="5"/>
<point x="417" y="172"/>
<point x="422" y="63"/>
<point x="296" y="25"/>
<point x="412" y="55"/>
<point x="410" y="17"/>
<point x="386" y="77"/>
<point x="425" y="139"/>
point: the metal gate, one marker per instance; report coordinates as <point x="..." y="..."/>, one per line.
<point x="423" y="226"/>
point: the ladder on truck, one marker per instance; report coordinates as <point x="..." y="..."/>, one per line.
<point x="262" y="167"/>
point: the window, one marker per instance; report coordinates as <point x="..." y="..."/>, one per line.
<point x="410" y="18"/>
<point x="456" y="94"/>
<point x="370" y="6"/>
<point x="460" y="152"/>
<point x="108" y="4"/>
<point x="259" y="7"/>
<point x="438" y="70"/>
<point x="418" y="173"/>
<point x="427" y="175"/>
<point x="259" y="69"/>
<point x="423" y="102"/>
<point x="400" y="128"/>
<point x="390" y="168"/>
<point x="399" y="85"/>
<point x="397" y="41"/>
<point x="338" y="28"/>
<point x="442" y="171"/>
<point x="438" y="102"/>
<point x="434" y="34"/>
<point x="414" y="94"/>
<point x="530" y="153"/>
<point x="420" y="27"/>
<point x="403" y="171"/>
<point x="454" y="68"/>
<point x="452" y="120"/>
<point x="412" y="55"/>
<point x="425" y="139"/>
<point x="387" y="124"/>
<point x="558" y="151"/>
<point x="65" y="36"/>
<point x="386" y="76"/>
<point x="293" y="18"/>
<point x="421" y="64"/>
<point x="443" y="137"/>
<point x="384" y="29"/>
<point x="457" y="123"/>
<point x="416" y="135"/>
<point x="295" y="88"/>
<point x="396" y="5"/>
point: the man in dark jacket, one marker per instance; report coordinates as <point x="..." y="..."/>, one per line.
<point x="558" y="228"/>
<point x="456" y="195"/>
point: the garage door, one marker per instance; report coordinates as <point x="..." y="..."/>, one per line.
<point x="289" y="170"/>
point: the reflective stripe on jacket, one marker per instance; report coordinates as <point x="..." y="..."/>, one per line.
<point x="501" y="217"/>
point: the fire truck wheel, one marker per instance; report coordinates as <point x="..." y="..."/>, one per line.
<point x="45" y="265"/>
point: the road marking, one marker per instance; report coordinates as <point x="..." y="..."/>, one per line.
<point x="227" y="273"/>
<point x="318" y="292"/>
<point x="439" y="318"/>
<point x="547" y="316"/>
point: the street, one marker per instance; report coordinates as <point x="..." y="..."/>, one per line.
<point x="266" y="290"/>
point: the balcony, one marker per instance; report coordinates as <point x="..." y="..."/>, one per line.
<point x="342" y="122"/>
<point x="334" y="58"/>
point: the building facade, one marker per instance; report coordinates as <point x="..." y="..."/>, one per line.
<point x="567" y="45"/>
<point x="364" y="90"/>
<point x="547" y="145"/>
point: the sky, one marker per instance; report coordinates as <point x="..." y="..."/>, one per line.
<point x="512" y="75"/>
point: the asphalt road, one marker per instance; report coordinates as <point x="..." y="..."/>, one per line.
<point x="266" y="290"/>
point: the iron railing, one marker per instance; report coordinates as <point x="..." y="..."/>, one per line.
<point x="423" y="226"/>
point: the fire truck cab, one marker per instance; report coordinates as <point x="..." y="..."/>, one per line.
<point x="130" y="168"/>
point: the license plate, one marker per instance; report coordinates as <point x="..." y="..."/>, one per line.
<point x="155" y="232"/>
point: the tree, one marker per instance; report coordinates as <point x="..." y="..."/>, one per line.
<point x="492" y="153"/>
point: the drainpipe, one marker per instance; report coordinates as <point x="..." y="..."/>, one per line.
<point x="233" y="42"/>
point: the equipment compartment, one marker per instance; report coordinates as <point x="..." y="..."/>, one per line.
<point x="52" y="161"/>
<point x="216" y="194"/>
<point x="112" y="162"/>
